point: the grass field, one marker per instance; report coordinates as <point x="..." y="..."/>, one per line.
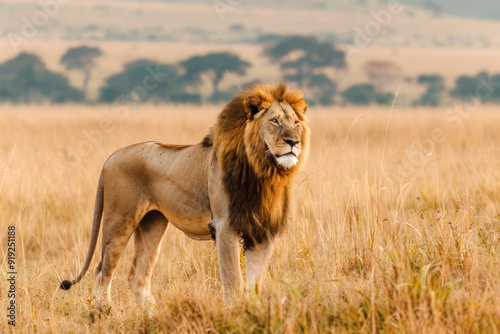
<point x="396" y="226"/>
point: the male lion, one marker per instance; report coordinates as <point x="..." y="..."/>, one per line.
<point x="234" y="186"/>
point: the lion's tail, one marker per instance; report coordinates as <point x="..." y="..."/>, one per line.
<point x="96" y="226"/>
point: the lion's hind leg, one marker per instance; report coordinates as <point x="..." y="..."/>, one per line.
<point x="148" y="237"/>
<point x="117" y="230"/>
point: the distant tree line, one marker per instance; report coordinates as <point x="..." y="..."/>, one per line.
<point x="305" y="61"/>
<point x="25" y="79"/>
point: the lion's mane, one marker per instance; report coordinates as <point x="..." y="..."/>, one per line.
<point x="258" y="188"/>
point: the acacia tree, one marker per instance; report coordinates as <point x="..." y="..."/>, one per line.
<point x="435" y="89"/>
<point x="304" y="60"/>
<point x="81" y="58"/>
<point x="215" y="65"/>
<point x="162" y="84"/>
<point x="26" y="79"/>
<point x="365" y="94"/>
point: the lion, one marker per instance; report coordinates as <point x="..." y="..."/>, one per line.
<point x="233" y="187"/>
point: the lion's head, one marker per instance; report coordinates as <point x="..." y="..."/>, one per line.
<point x="267" y="122"/>
<point x="260" y="141"/>
<point x="276" y="126"/>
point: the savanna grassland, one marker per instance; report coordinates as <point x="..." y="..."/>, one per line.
<point x="396" y="226"/>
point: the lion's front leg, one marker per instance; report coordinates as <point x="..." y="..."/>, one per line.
<point x="228" y="250"/>
<point x="257" y="262"/>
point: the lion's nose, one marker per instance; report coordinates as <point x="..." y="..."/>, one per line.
<point x="292" y="142"/>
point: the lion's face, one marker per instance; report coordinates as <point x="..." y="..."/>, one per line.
<point x="282" y="130"/>
<point x="282" y="133"/>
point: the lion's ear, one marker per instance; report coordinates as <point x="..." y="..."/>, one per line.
<point x="254" y="105"/>
<point x="300" y="105"/>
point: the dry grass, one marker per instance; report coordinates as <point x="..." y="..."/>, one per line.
<point x="390" y="233"/>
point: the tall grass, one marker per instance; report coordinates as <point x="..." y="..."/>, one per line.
<point x="389" y="234"/>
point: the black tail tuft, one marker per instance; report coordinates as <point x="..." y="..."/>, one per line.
<point x="66" y="285"/>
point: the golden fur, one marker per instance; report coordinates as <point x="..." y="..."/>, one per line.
<point x="233" y="185"/>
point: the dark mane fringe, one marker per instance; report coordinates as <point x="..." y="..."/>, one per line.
<point x="257" y="188"/>
<point x="250" y="200"/>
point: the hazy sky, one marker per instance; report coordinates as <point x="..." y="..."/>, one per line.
<point x="474" y="8"/>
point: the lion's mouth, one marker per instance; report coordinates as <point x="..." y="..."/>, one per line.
<point x="286" y="154"/>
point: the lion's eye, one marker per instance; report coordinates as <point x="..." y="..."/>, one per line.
<point x="297" y="123"/>
<point x="274" y="121"/>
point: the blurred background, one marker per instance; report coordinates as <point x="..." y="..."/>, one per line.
<point x="340" y="52"/>
<point x="396" y="217"/>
